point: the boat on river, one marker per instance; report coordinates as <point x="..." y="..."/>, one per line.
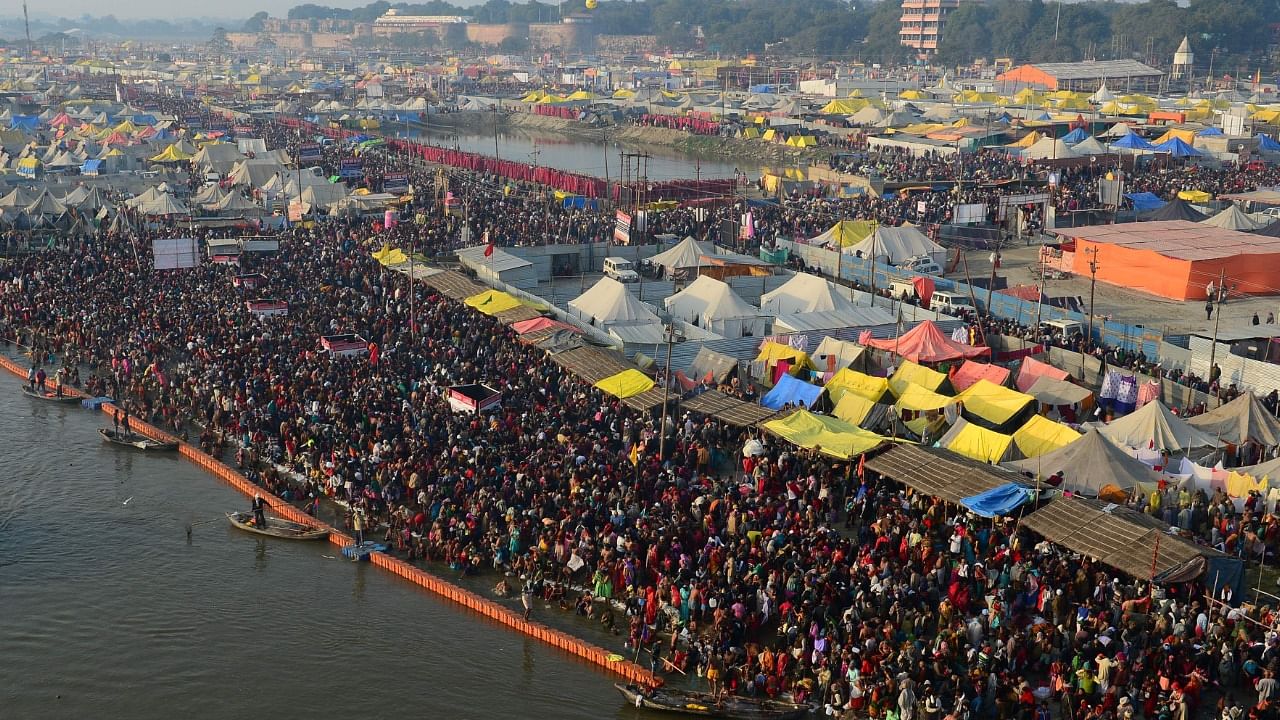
<point x="67" y="395"/>
<point x="277" y="528"/>
<point x="729" y="707"/>
<point x="136" y="441"/>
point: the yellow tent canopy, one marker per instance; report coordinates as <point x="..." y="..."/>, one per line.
<point x="769" y="135"/>
<point x="1186" y="136"/>
<point x="626" y="383"/>
<point x="581" y="95"/>
<point x="910" y="373"/>
<point x="978" y="443"/>
<point x="773" y="352"/>
<point x="851" y="382"/>
<point x="828" y="435"/>
<point x="1041" y="435"/>
<point x="843" y="107"/>
<point x="919" y="399"/>
<point x="390" y="256"/>
<point x="993" y="403"/>
<point x="853" y="408"/>
<point x="1195" y="196"/>
<point x="492" y="302"/>
<point x="1028" y="140"/>
<point x="850" y="232"/>
<point x="172" y="154"/>
<point x="911" y="95"/>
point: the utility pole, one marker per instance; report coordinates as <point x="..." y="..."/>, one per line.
<point x="991" y="284"/>
<point x="669" y="334"/>
<point x="1220" y="295"/>
<point x="1093" y="284"/>
<point x="495" y="131"/>
<point x="875" y="232"/>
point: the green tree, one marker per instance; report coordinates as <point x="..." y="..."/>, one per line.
<point x="256" y="23"/>
<point x="218" y="41"/>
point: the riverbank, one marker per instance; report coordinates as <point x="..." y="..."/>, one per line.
<point x="749" y="153"/>
<point x="472" y="601"/>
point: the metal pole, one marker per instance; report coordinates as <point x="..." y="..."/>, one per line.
<point x="1221" y="295"/>
<point x="669" y="331"/>
<point x="1093" y="283"/>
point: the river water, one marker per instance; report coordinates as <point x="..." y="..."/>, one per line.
<point x="588" y="158"/>
<point x="108" y="611"/>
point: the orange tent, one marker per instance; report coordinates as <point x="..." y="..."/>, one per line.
<point x="1177" y="259"/>
<point x="971" y="372"/>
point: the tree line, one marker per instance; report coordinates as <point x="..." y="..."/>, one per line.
<point x="1233" y="31"/>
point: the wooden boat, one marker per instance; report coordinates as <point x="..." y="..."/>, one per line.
<point x="68" y="395"/>
<point x="277" y="528"/>
<point x="729" y="707"/>
<point x="135" y="441"/>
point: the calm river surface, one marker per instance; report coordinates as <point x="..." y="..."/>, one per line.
<point x="107" y="610"/>
<point x="575" y="155"/>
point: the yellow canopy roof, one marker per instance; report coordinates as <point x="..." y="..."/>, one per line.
<point x="581" y="95"/>
<point x="978" y="443"/>
<point x="853" y="408"/>
<point x="390" y="256"/>
<point x="127" y="127"/>
<point x="850" y="232"/>
<point x="172" y="154"/>
<point x="492" y="302"/>
<point x="993" y="403"/>
<point x="772" y="352"/>
<point x="846" y="106"/>
<point x="1195" y="196"/>
<point x="911" y="95"/>
<point x="829" y="435"/>
<point x="1041" y="435"/>
<point x="1186" y="136"/>
<point x="851" y="382"/>
<point x="910" y="373"/>
<point x="1028" y="140"/>
<point x="914" y="397"/>
<point x="619" y="94"/>
<point x="626" y="383"/>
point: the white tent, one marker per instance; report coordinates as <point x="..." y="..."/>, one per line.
<point x="712" y="305"/>
<point x="1047" y="148"/>
<point x="685" y="254"/>
<point x="1103" y="95"/>
<point x="255" y="172"/>
<point x="163" y="204"/>
<point x="1154" y="427"/>
<point x="894" y="245"/>
<point x="1089" y="146"/>
<point x="1233" y="218"/>
<point x="609" y="302"/>
<point x="805" y="293"/>
<point x="833" y="354"/>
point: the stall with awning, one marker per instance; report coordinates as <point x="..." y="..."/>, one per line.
<point x="827" y="435"/>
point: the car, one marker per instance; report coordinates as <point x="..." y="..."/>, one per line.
<point x="922" y="264"/>
<point x="949" y="302"/>
<point x="621" y="269"/>
<point x="1067" y="328"/>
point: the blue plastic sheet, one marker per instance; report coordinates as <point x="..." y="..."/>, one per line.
<point x="997" y="501"/>
<point x="790" y="391"/>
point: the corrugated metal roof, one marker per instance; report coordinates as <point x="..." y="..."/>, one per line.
<point x="940" y="473"/>
<point x="1097" y="69"/>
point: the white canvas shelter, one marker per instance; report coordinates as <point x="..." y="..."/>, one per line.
<point x="833" y="354"/>
<point x="894" y="245"/>
<point x="805" y="293"/>
<point x="1049" y="149"/>
<point x="712" y="305"/>
<point x="1154" y="427"/>
<point x="1233" y="218"/>
<point x="1089" y="146"/>
<point x="685" y="254"/>
<point x="609" y="302"/>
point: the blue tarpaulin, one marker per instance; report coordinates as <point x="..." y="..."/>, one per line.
<point x="997" y="501"/>
<point x="1268" y="144"/>
<point x="91" y="167"/>
<point x="1178" y="148"/>
<point x="1145" y="201"/>
<point x="1075" y="136"/>
<point x="25" y="123"/>
<point x="790" y="391"/>
<point x="1133" y="141"/>
<point x="1210" y="132"/>
<point x="144" y="119"/>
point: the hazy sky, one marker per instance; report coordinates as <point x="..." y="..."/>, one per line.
<point x="225" y="9"/>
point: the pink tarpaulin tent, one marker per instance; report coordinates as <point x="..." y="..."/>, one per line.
<point x="1032" y="369"/>
<point x="971" y="372"/>
<point x="925" y="343"/>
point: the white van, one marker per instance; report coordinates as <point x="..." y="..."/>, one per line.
<point x="902" y="290"/>
<point x="949" y="302"/>
<point x="922" y="264"/>
<point x="1067" y="328"/>
<point x="621" y="269"/>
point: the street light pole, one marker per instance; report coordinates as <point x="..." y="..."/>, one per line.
<point x="669" y="334"/>
<point x="1093" y="283"/>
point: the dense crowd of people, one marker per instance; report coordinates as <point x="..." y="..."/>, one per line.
<point x="771" y="573"/>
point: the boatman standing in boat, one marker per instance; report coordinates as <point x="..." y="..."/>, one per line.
<point x="40" y="376"/>
<point x="31" y="378"/>
<point x="259" y="511"/>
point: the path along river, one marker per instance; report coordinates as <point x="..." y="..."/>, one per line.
<point x="108" y="611"/>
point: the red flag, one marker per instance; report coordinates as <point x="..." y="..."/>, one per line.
<point x="488" y="249"/>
